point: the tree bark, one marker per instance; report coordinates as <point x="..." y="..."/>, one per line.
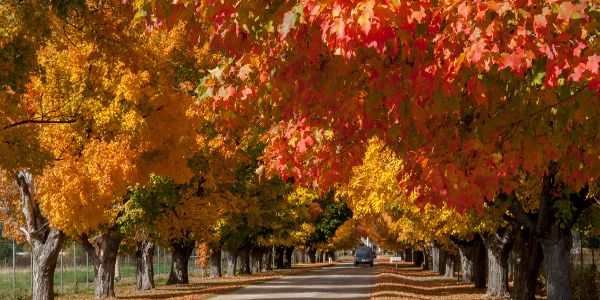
<point x="527" y="255"/>
<point x="45" y="241"/>
<point x="408" y="255"/>
<point x="438" y="263"/>
<point x="214" y="262"/>
<point x="144" y="255"/>
<point x="182" y="250"/>
<point x="450" y="260"/>
<point x="118" y="269"/>
<point x="302" y="259"/>
<point x="268" y="259"/>
<point x="473" y="260"/>
<point x="426" y="259"/>
<point x="552" y="232"/>
<point x="556" y="248"/>
<point x="256" y="257"/>
<point x="498" y="247"/>
<point x="245" y="260"/>
<point x="232" y="257"/>
<point x="287" y="258"/>
<point x="279" y="253"/>
<point x="419" y="257"/>
<point x="311" y="255"/>
<point x="103" y="251"/>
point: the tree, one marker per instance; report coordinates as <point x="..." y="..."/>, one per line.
<point x="123" y="95"/>
<point x="469" y="94"/>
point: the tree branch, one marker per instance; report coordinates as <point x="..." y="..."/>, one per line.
<point x="31" y="121"/>
<point x="520" y="215"/>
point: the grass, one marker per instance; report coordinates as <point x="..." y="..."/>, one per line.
<point x="74" y="281"/>
<point x="200" y="285"/>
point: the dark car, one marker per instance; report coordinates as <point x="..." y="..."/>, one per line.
<point x="363" y="255"/>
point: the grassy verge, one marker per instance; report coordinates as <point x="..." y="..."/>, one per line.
<point x="199" y="287"/>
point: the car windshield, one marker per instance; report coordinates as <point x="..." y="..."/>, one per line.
<point x="363" y="251"/>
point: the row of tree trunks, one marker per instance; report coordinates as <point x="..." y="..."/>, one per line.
<point x="182" y="250"/>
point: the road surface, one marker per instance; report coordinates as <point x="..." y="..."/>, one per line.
<point x="342" y="281"/>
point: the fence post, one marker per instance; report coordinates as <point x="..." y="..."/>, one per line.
<point x="62" y="288"/>
<point x="87" y="271"/>
<point x="31" y="269"/>
<point x="74" y="265"/>
<point x="14" y="278"/>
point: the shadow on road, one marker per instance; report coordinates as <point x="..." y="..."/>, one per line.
<point x="342" y="281"/>
<point x="409" y="282"/>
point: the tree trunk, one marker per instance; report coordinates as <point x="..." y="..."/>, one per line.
<point x="311" y="255"/>
<point x="419" y="258"/>
<point x="118" y="269"/>
<point x="438" y="263"/>
<point x="287" y="258"/>
<point x="408" y="255"/>
<point x="302" y="259"/>
<point x="214" y="262"/>
<point x="45" y="241"/>
<point x="182" y="250"/>
<point x="256" y="257"/>
<point x="245" y="260"/>
<point x="45" y="255"/>
<point x="268" y="259"/>
<point x="426" y="259"/>
<point x="279" y="254"/>
<point x="473" y="260"/>
<point x="232" y="257"/>
<point x="103" y="250"/>
<point x="450" y="260"/>
<point x="527" y="255"/>
<point x="498" y="247"/>
<point x="556" y="249"/>
<point x="145" y="265"/>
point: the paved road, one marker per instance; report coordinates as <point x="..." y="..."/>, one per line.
<point x="342" y="281"/>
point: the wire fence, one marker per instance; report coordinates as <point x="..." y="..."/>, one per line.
<point x="74" y="272"/>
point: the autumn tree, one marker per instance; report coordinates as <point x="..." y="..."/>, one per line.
<point x="121" y="129"/>
<point x="469" y="94"/>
